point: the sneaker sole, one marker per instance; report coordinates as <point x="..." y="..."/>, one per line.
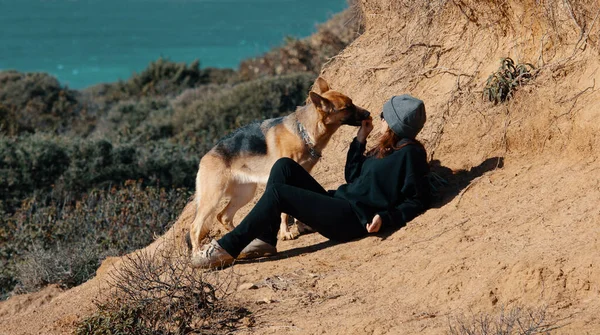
<point x="256" y="254"/>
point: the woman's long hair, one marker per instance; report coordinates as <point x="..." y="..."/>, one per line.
<point x="388" y="143"/>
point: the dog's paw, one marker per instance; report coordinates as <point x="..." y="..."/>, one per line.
<point x="291" y="234"/>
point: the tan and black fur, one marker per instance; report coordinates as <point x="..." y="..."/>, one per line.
<point x="233" y="168"/>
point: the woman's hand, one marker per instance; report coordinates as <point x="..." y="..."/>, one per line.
<point x="375" y="224"/>
<point x="364" y="130"/>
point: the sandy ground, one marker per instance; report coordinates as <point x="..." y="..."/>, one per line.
<point x="518" y="224"/>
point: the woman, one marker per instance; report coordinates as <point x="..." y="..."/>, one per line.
<point x="385" y="189"/>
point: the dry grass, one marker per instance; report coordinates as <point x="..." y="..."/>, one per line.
<point x="66" y="266"/>
<point x="516" y="321"/>
<point x="156" y="292"/>
<point x="356" y="17"/>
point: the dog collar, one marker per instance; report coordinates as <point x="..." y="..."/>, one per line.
<point x="311" y="148"/>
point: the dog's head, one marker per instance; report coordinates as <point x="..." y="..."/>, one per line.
<point x="335" y="107"/>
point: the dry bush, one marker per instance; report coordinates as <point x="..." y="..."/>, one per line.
<point x="156" y="292"/>
<point x="355" y="22"/>
<point x="63" y="242"/>
<point x="66" y="266"/>
<point x="516" y="321"/>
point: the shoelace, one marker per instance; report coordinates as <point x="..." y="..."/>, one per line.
<point x="208" y="251"/>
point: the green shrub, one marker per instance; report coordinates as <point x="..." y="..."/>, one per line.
<point x="34" y="102"/>
<point x="210" y="118"/>
<point x="141" y="120"/>
<point x="161" y="78"/>
<point x="169" y="164"/>
<point x="500" y="85"/>
<point x="9" y="124"/>
<point x="202" y="116"/>
<point x="97" y="163"/>
<point x="68" y="167"/>
<point x="149" y="140"/>
<point x="165" y="76"/>
<point x="27" y="164"/>
<point x="220" y="76"/>
<point x="46" y="240"/>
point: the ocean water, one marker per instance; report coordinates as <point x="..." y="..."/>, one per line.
<point x="86" y="42"/>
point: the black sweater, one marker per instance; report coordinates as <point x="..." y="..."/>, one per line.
<point x="395" y="187"/>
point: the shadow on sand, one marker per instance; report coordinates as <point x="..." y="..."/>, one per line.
<point x="456" y="181"/>
<point x="445" y="187"/>
<point x="291" y="252"/>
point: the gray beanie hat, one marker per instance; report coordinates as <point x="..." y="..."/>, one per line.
<point x="405" y="115"/>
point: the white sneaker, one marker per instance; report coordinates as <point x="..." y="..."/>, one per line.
<point x="211" y="256"/>
<point x="256" y="249"/>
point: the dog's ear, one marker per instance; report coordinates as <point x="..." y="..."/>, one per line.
<point x="321" y="103"/>
<point x="322" y="85"/>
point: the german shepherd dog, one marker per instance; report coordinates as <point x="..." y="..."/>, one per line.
<point x="233" y="168"/>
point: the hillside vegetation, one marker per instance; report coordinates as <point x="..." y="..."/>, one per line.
<point x="104" y="169"/>
<point x="512" y="240"/>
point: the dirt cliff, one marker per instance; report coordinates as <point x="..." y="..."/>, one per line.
<point x="518" y="223"/>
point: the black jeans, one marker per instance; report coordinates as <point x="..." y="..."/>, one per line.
<point x="292" y="190"/>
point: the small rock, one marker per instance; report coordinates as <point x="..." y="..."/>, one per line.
<point x="248" y="321"/>
<point x="265" y="301"/>
<point x="247" y="286"/>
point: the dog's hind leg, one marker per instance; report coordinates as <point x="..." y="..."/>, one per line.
<point x="211" y="182"/>
<point x="200" y="226"/>
<point x="240" y="194"/>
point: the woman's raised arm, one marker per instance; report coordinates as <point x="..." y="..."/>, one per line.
<point x="356" y="157"/>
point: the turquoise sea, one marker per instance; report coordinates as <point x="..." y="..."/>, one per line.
<point x="85" y="42"/>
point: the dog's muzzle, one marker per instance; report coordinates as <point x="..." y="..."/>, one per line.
<point x="356" y="119"/>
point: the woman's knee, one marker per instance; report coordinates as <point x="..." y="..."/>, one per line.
<point x="283" y="163"/>
<point x="282" y="170"/>
<point x="279" y="196"/>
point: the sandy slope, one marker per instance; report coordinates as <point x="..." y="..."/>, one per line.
<point x="519" y="223"/>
